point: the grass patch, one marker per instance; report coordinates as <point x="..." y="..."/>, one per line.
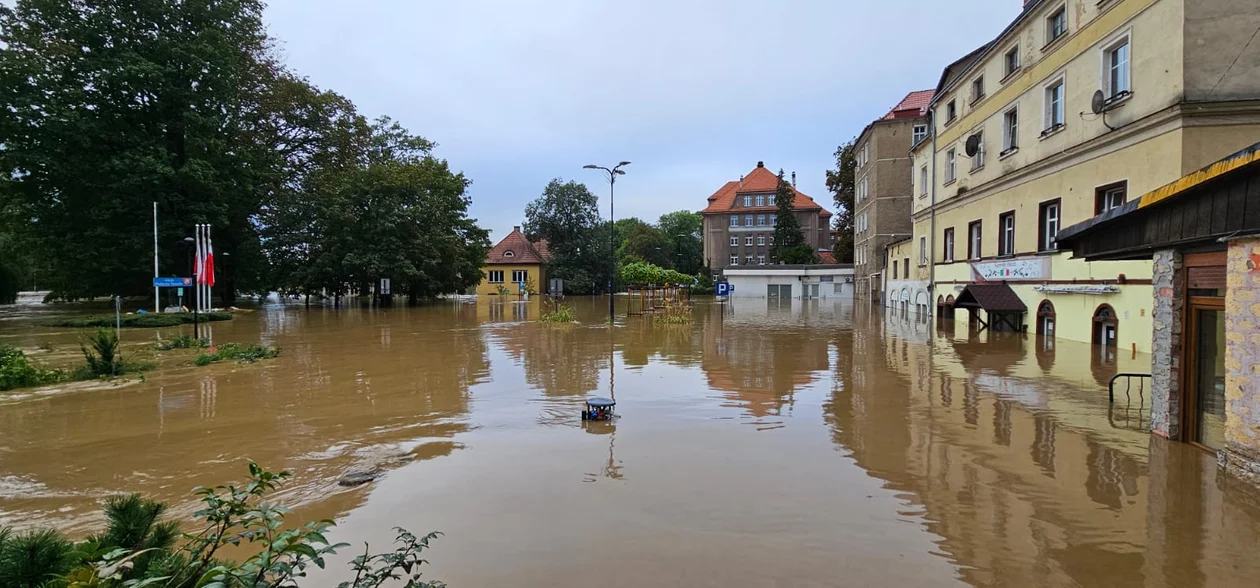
<point x="183" y="342"/>
<point x="140" y="321"/>
<point x="674" y="313"/>
<point x="237" y="352"/>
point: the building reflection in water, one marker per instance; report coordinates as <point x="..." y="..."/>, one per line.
<point x="1026" y="477"/>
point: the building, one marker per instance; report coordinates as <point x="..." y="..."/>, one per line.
<point x="881" y="192"/>
<point x="1017" y="151"/>
<point x="785" y="282"/>
<point x="1203" y="233"/>
<point x="904" y="290"/>
<point x="514" y="266"/>
<point x="739" y="221"/>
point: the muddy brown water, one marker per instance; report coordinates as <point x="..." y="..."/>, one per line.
<point x="767" y="444"/>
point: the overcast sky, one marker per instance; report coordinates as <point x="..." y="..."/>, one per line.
<point x="693" y="92"/>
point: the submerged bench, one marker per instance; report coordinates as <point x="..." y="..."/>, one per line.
<point x="599" y="409"/>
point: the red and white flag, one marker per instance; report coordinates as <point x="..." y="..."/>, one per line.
<point x="205" y="269"/>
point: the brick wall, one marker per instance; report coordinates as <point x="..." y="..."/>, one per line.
<point x="1168" y="283"/>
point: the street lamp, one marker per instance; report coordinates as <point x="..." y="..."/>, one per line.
<point x="612" y="234"/>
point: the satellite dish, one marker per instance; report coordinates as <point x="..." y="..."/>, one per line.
<point x="1098" y="102"/>
<point x="973" y="145"/>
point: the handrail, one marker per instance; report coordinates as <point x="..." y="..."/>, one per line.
<point x="1111" y="385"/>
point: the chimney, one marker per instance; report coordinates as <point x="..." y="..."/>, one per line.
<point x="793" y="179"/>
<point x="761" y="164"/>
<point x="741" y="181"/>
<point x="516" y="229"/>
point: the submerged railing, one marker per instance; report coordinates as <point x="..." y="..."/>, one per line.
<point x="1127" y="417"/>
<point x="1111" y="386"/>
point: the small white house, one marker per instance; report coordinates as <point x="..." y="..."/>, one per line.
<point x="805" y="282"/>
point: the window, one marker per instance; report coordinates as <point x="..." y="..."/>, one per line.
<point x="748" y="241"/>
<point x="859" y="193"/>
<point x="1054" y="107"/>
<point x="1012" y="60"/>
<point x="923" y="181"/>
<point x="977" y="89"/>
<point x="1048" y="225"/>
<point x="920" y="133"/>
<point x="772" y="222"/>
<point x="1109" y="196"/>
<point x="905" y="265"/>
<point x="519" y="276"/>
<point x="894" y="269"/>
<point x="734" y="220"/>
<point x="761" y="240"/>
<point x="1006" y="233"/>
<point x="761" y="220"/>
<point x="734" y="241"/>
<point x="922" y="250"/>
<point x="977" y="160"/>
<point x="734" y="260"/>
<point x="951" y="112"/>
<point x="508" y="254"/>
<point x="748" y="260"/>
<point x="1010" y="131"/>
<point x="494" y="276"/>
<point x="948" y="245"/>
<point x="747" y="201"/>
<point x="950" y="158"/>
<point x="761" y="200"/>
<point x="1116" y="61"/>
<point x="973" y="240"/>
<point x="748" y="220"/>
<point x="770" y="240"/>
<point x="1056" y="25"/>
<point x="761" y="260"/>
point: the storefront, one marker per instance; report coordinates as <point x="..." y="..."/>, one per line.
<point x="1203" y="234"/>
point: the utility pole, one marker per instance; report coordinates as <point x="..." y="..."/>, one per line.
<point x="612" y="233"/>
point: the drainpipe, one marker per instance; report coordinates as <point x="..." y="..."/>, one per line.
<point x="932" y="207"/>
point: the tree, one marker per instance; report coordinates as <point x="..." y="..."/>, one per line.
<point x="645" y="243"/>
<point x="790" y="246"/>
<point x="683" y="228"/>
<point x="106" y="108"/>
<point x="841" y="183"/>
<point x="567" y="215"/>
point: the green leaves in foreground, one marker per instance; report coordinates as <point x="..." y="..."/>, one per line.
<point x="239" y="353"/>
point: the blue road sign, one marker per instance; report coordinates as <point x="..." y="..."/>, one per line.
<point x="173" y="282"/>
<point x="730" y="287"/>
<point x="723" y="288"/>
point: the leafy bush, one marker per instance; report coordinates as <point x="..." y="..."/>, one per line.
<point x="16" y="371"/>
<point x="141" y="321"/>
<point x="182" y="342"/>
<point x="642" y="274"/>
<point x="102" y="354"/>
<point x="238" y="352"/>
<point x="559" y="313"/>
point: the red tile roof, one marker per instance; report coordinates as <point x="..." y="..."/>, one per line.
<point x="759" y="180"/>
<point x="515" y="248"/>
<point x="914" y="104"/>
<point x="825" y="257"/>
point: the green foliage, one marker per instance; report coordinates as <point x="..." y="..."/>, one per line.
<point x="237" y="352"/>
<point x="182" y="342"/>
<point x="641" y="242"/>
<point x="684" y="228"/>
<point x="133" y="523"/>
<point x="642" y="274"/>
<point x="788" y="237"/>
<point x="801" y="254"/>
<point x="8" y="283"/>
<point x="502" y="290"/>
<point x="704" y="282"/>
<point x="33" y="559"/>
<point x="841" y="183"/>
<point x="140" y="321"/>
<point x="558" y="312"/>
<point x="401" y="564"/>
<point x="17" y="371"/>
<point x="102" y="355"/>
<point x="567" y="215"/>
<point x="673" y="313"/>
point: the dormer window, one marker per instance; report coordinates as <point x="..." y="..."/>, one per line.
<point x="508" y="254"/>
<point x="747" y="201"/>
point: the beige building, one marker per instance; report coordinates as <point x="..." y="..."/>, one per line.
<point x="881" y="192"/>
<point x="740" y="218"/>
<point x="1017" y="151"/>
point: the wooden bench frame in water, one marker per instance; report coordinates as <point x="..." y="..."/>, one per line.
<point x="651" y="298"/>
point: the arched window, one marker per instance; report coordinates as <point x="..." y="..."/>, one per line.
<point x="1045" y="318"/>
<point x="949" y="306"/>
<point x="508" y="254"/>
<point x="1106" y="326"/>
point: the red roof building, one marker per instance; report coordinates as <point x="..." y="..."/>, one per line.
<point x="514" y="264"/>
<point x="740" y="217"/>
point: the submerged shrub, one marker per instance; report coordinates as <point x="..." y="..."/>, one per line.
<point x="141" y="321"/>
<point x="17" y="371"/>
<point x="102" y="354"/>
<point x="183" y="342"/>
<point x="239" y="353"/>
<point x="560" y="313"/>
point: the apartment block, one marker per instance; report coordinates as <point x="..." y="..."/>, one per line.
<point x="740" y="219"/>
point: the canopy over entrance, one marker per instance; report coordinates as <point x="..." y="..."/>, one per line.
<point x="998" y="301"/>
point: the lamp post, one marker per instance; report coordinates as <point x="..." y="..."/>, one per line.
<point x="612" y="233"/>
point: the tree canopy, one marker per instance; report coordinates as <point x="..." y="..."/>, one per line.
<point x="841" y="182"/>
<point x="567" y="216"/>
<point x="108" y="108"/>
<point x="790" y="246"/>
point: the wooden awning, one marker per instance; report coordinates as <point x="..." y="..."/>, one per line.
<point x="991" y="298"/>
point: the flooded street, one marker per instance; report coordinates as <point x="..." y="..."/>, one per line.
<point x="767" y="444"/>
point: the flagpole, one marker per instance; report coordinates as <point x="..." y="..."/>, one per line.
<point x="196" y="281"/>
<point x="209" y="271"/>
<point x="157" y="296"/>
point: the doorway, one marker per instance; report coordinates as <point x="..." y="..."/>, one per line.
<point x="811" y="291"/>
<point x="1045" y="319"/>
<point x="1106" y="332"/>
<point x="1206" y="373"/>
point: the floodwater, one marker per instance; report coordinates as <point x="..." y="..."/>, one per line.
<point x="767" y="444"/>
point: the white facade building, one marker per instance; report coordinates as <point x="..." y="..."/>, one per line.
<point x="807" y="282"/>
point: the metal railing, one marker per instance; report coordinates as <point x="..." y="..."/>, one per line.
<point x="1111" y="386"/>
<point x="1126" y="413"/>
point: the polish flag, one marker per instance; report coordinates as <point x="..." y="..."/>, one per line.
<point x="207" y="266"/>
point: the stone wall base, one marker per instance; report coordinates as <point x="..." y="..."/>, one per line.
<point x="1244" y="465"/>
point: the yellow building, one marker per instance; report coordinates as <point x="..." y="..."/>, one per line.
<point x="514" y="266"/>
<point x="1017" y="151"/>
